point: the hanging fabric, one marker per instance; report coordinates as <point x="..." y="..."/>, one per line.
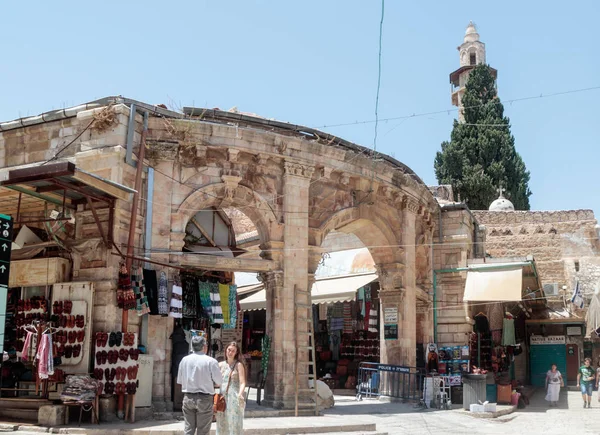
<point x="204" y="293"/>
<point x="361" y="299"/>
<point x="141" y="306"/>
<point x="232" y="309"/>
<point x="151" y="286"/>
<point x="373" y="319"/>
<point x="190" y="296"/>
<point x="224" y="298"/>
<point x="215" y="299"/>
<point x="176" y="310"/>
<point x="44" y="357"/>
<point x="347" y="318"/>
<point x="29" y="347"/>
<point x="508" y="333"/>
<point x="125" y="293"/>
<point x="322" y="311"/>
<point x="163" y="303"/>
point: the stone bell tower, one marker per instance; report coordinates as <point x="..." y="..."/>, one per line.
<point x="471" y="53"/>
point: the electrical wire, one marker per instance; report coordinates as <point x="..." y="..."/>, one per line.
<point x="455" y="109"/>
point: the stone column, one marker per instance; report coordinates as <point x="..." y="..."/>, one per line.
<point x="398" y="290"/>
<point x="280" y="393"/>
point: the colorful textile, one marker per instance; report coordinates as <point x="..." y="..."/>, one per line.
<point x="190" y="296"/>
<point x="335" y="340"/>
<point x="322" y="311"/>
<point x="337" y="324"/>
<point x="176" y="302"/>
<point x="141" y="306"/>
<point x="508" y="333"/>
<point x="204" y="292"/>
<point x="28" y="352"/>
<point x="373" y="319"/>
<point x="151" y="287"/>
<point x="215" y="298"/>
<point x="125" y="294"/>
<point x="44" y="357"/>
<point x="347" y="318"/>
<point x="224" y="297"/>
<point x="233" y="308"/>
<point x="163" y="303"/>
<point x="361" y="299"/>
<point x="338" y="310"/>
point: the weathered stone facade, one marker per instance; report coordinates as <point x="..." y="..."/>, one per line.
<point x="294" y="186"/>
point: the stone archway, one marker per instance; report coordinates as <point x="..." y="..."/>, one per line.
<point x="222" y="195"/>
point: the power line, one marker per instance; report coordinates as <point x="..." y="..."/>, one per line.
<point x="454" y="109"/>
<point x="378" y="76"/>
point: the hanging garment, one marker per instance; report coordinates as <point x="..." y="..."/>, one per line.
<point x="368" y="315"/>
<point x="495" y="314"/>
<point x="233" y="308"/>
<point x="151" y="286"/>
<point x="361" y="299"/>
<point x="189" y="284"/>
<point x="481" y="323"/>
<point x="335" y="339"/>
<point x="373" y="319"/>
<point x="141" y="306"/>
<point x="204" y="292"/>
<point x="508" y="333"/>
<point x="224" y="297"/>
<point x="163" y="303"/>
<point x="125" y="293"/>
<point x="44" y="357"/>
<point x="347" y="318"/>
<point x="215" y="298"/>
<point x="322" y="311"/>
<point x="176" y="302"/>
<point x="29" y="347"/>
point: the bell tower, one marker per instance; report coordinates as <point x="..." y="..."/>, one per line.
<point x="471" y="53"/>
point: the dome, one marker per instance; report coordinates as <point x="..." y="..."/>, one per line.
<point x="471" y="34"/>
<point x="501" y="204"/>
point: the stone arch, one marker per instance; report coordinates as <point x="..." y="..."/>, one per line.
<point x="373" y="230"/>
<point x="223" y="195"/>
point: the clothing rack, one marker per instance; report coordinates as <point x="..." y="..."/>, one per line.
<point x="41" y="328"/>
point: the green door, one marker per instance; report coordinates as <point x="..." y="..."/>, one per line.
<point x="542" y="356"/>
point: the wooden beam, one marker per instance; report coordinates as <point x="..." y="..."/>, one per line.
<point x="225" y="264"/>
<point x="40" y="196"/>
<point x="103" y="186"/>
<point x="203" y="231"/>
<point x="39" y="173"/>
<point x="51" y="188"/>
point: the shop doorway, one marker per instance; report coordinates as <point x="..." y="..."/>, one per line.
<point x="542" y="356"/>
<point x="572" y="362"/>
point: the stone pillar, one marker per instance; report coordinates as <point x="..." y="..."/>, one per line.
<point x="281" y="385"/>
<point x="398" y="290"/>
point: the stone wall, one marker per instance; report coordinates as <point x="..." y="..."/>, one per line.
<point x="558" y="240"/>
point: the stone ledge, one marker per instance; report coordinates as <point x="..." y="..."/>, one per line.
<point x="501" y="410"/>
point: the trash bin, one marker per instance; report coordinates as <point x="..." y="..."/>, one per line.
<point x="473" y="389"/>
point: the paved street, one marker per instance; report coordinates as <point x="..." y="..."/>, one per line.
<point x="394" y="418"/>
<point x="537" y="418"/>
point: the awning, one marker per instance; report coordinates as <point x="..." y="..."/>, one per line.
<point x="324" y="291"/>
<point x="498" y="284"/>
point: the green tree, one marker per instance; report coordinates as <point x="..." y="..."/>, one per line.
<point x="481" y="154"/>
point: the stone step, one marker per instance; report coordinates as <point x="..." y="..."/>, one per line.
<point x="356" y="433"/>
<point x="19" y="414"/>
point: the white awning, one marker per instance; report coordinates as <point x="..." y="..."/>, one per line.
<point x="324" y="291"/>
<point x="501" y="285"/>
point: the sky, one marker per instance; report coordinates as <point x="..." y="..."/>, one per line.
<point x="315" y="63"/>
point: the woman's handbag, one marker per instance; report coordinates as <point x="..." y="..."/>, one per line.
<point x="219" y="403"/>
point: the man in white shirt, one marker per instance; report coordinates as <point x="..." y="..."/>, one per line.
<point x="198" y="375"/>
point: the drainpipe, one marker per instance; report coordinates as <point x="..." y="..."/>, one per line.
<point x="131" y="238"/>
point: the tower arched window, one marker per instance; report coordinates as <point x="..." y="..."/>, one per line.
<point x="472" y="58"/>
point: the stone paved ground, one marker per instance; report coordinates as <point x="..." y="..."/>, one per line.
<point x="394" y="418"/>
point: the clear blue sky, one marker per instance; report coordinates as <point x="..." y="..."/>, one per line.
<point x="315" y="63"/>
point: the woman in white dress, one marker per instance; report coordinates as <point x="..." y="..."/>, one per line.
<point x="554" y="381"/>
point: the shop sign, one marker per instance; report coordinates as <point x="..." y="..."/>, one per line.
<point x="573" y="330"/>
<point x="390" y="331"/>
<point x="454" y="380"/>
<point x="390" y="315"/>
<point x="550" y="339"/>
<point x="389" y="368"/>
<point x="6" y="230"/>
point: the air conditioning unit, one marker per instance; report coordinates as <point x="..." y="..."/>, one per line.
<point x="551" y="289"/>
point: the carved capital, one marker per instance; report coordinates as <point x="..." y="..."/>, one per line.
<point x="298" y="170"/>
<point x="201" y="151"/>
<point x="345" y="178"/>
<point x="232" y="155"/>
<point x="271" y="280"/>
<point x="261" y="159"/>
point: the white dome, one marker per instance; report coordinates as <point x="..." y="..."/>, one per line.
<point x="502" y="204"/>
<point x="471" y="34"/>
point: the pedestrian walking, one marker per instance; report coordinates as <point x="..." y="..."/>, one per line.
<point x="554" y="381"/>
<point x="198" y="375"/>
<point x="233" y="369"/>
<point x="585" y="380"/>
